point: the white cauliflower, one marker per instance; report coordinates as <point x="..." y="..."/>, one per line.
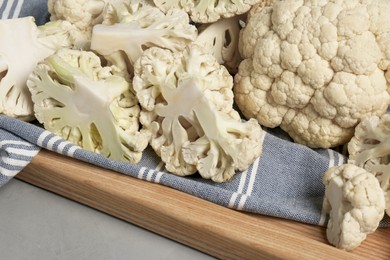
<point x="315" y="68"/>
<point x="370" y="149"/>
<point x="78" y="99"/>
<point x="221" y="39"/>
<point x="208" y="11"/>
<point x="355" y="203"/>
<point x="130" y="29"/>
<point x="23" y="44"/>
<point x="82" y="16"/>
<point x="187" y="104"/>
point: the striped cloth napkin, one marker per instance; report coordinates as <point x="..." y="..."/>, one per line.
<point x="285" y="181"/>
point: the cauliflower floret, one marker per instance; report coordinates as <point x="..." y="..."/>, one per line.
<point x="314" y="68"/>
<point x="370" y="149"/>
<point x="221" y="39"/>
<point x="207" y="11"/>
<point x="130" y="29"/>
<point x="82" y="16"/>
<point x="187" y="104"/>
<point x="22" y="46"/>
<point x="83" y="102"/>
<point x="355" y="204"/>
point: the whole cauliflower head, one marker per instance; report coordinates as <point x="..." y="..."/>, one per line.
<point x="315" y="68"/>
<point x="187" y="105"/>
<point x="86" y="104"/>
<point x="208" y="11"/>
<point x="369" y="148"/>
<point x="355" y="203"/>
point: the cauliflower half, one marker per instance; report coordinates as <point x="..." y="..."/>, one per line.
<point x="355" y="203"/>
<point x="187" y="104"/>
<point x="131" y="28"/>
<point x="83" y="102"/>
<point x="370" y="149"/>
<point x="23" y="44"/>
<point x="315" y="68"/>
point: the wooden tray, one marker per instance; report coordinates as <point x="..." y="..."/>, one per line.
<point x="213" y="229"/>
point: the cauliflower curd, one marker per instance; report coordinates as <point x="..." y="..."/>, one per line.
<point x="187" y="105"/>
<point x="315" y="68"/>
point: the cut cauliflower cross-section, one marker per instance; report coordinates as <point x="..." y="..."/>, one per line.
<point x="355" y="203"/>
<point x="315" y="68"/>
<point x="23" y="44"/>
<point x="130" y="29"/>
<point x="187" y="104"/>
<point x="78" y="99"/>
<point x="370" y="149"/>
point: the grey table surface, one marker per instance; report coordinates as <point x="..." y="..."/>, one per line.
<point x="37" y="224"/>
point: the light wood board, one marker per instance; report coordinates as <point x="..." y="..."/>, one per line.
<point x="210" y="228"/>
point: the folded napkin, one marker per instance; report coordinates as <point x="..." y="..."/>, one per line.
<point x="285" y="181"/>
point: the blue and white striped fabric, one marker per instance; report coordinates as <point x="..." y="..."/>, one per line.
<point x="22" y="8"/>
<point x="285" y="182"/>
<point x="15" y="154"/>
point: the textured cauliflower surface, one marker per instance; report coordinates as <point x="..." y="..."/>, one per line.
<point x="131" y="28"/>
<point x="83" y="102"/>
<point x="369" y="148"/>
<point x="355" y="204"/>
<point x="207" y="11"/>
<point x="315" y="68"/>
<point x="187" y="104"/>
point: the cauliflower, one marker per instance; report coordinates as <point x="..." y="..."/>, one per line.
<point x="207" y="11"/>
<point x="221" y="39"/>
<point x="83" y="102"/>
<point x="370" y="149"/>
<point x="315" y="68"/>
<point x="23" y="44"/>
<point x="82" y="16"/>
<point x="130" y="29"/>
<point x="187" y="105"/>
<point x="356" y="205"/>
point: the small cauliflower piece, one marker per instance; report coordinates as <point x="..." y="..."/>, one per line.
<point x="355" y="203"/>
<point x="187" y="104"/>
<point x="207" y="11"/>
<point x="315" y="68"/>
<point x="82" y="16"/>
<point x="83" y="102"/>
<point x="370" y="149"/>
<point x="221" y="39"/>
<point x="130" y="29"/>
<point x="23" y="44"/>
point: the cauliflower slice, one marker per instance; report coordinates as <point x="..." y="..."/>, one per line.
<point x="130" y="29"/>
<point x="221" y="39"/>
<point x="315" y="68"/>
<point x="370" y="149"/>
<point x="207" y="11"/>
<point x="355" y="203"/>
<point x="83" y="102"/>
<point x="19" y="54"/>
<point x="187" y="104"/>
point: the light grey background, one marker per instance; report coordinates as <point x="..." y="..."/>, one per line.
<point x="37" y="224"/>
